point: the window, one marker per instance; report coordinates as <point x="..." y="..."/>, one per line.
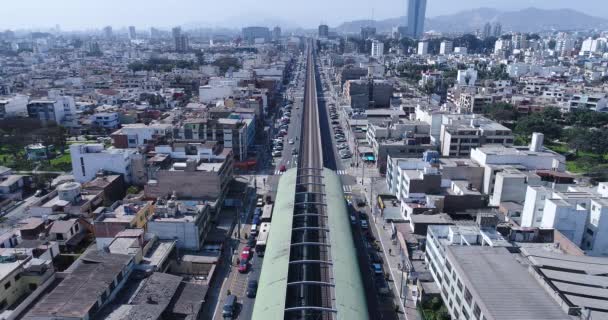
<point x="3" y="304"/>
<point x="458" y="300"/>
<point x="476" y="311"/>
<point x="7" y="285"/>
<point x="445" y="292"/>
<point x="76" y="227"/>
<point x="82" y="166"/>
<point x="17" y="277"/>
<point x="590" y="232"/>
<point x="467" y="296"/>
<point x="459" y="284"/>
<point x="32" y="286"/>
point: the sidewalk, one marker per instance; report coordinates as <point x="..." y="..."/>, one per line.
<point x="403" y="289"/>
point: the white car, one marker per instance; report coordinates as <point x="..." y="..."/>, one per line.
<point x="291" y="141"/>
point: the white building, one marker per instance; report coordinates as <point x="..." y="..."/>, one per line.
<point x="217" y="89"/>
<point x="461" y="50"/>
<point x="15" y="106"/>
<point x="61" y="109"/>
<point x="446" y="47"/>
<point x="139" y="134"/>
<point x="466" y="77"/>
<point x="595" y="102"/>
<point x="534" y="157"/>
<point x="502" y="46"/>
<point x="187" y="222"/>
<point x="89" y="159"/>
<point x="581" y="215"/>
<point x="423" y="48"/>
<point x="564" y="45"/>
<point x="106" y="120"/>
<point x="377" y="49"/>
<point x="461" y="134"/>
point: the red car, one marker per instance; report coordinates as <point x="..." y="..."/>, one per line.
<point x="282" y="168"/>
<point x="243" y="266"/>
<point x="246" y="254"/>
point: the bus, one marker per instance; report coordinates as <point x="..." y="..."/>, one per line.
<point x="260" y="245"/>
<point x="267" y="213"/>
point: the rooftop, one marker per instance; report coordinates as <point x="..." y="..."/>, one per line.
<point x="87" y="279"/>
<point x="504" y="288"/>
<point x="580" y="281"/>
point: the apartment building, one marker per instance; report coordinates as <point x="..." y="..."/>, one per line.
<point x="13" y="106"/>
<point x="232" y="133"/>
<point x="191" y="171"/>
<point x="187" y="222"/>
<point x="139" y="134"/>
<point x="119" y="217"/>
<point x="106" y="120"/>
<point x="399" y="139"/>
<point x="578" y="213"/>
<point x="89" y="159"/>
<point x="363" y="94"/>
<point x="476" y="102"/>
<point x="20" y="277"/>
<point x="460" y="134"/>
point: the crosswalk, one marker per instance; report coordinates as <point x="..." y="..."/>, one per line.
<point x="339" y="172"/>
<point x="347" y="189"/>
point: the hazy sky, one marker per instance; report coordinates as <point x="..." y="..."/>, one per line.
<point x="84" y="14"/>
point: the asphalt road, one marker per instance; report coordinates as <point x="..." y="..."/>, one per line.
<point x="237" y="282"/>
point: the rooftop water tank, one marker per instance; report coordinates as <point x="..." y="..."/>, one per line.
<point x="69" y="191"/>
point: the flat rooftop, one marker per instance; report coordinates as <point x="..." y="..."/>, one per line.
<point x="502" y="287"/>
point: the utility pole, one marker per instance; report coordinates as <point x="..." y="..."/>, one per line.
<point x="238" y="218"/>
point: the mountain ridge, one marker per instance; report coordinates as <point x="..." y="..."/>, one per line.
<point x="524" y="20"/>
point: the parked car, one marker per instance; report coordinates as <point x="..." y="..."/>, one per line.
<point x="246" y="253"/>
<point x="282" y="168"/>
<point x="252" y="288"/>
<point x="243" y="266"/>
<point x="377" y="268"/>
<point x="276" y="153"/>
<point x="294" y="152"/>
<point x="353" y="219"/>
<point x="364" y="224"/>
<point x="228" y="311"/>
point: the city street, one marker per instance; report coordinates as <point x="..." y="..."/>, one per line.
<point x="359" y="179"/>
<point x="266" y="180"/>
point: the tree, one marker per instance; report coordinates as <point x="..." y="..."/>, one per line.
<point x="227" y="62"/>
<point x="537" y="123"/>
<point x="501" y="111"/>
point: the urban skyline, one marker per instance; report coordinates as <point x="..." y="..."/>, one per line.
<point x="118" y="14"/>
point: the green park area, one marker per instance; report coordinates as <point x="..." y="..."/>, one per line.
<point x="580" y="135"/>
<point x="17" y="134"/>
